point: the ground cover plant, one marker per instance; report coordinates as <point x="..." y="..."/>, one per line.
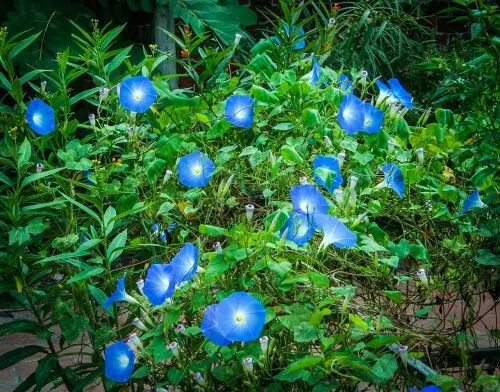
<point x="281" y="225"/>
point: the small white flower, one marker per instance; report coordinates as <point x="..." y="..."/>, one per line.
<point x="237" y="39"/>
<point x="92" y="120"/>
<point x="249" y="208"/>
<point x="303" y="180"/>
<point x="174" y="347"/>
<point x="39" y="167"/>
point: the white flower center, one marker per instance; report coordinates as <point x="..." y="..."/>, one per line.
<point x="123" y="360"/>
<point x="348" y="114"/>
<point x="240" y="114"/>
<point x="239" y="317"/>
<point x="305" y="206"/>
<point x="137" y="94"/>
<point x="37" y="118"/>
<point x="197" y="169"/>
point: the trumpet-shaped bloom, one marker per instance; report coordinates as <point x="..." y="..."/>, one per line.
<point x="300" y="229"/>
<point x="119" y="295"/>
<point x="300" y="44"/>
<point x="400" y="93"/>
<point x="351" y="114"/>
<point x="119" y="360"/>
<point x="373" y="118"/>
<point x="335" y="232"/>
<point x="40" y="117"/>
<point x="327" y="172"/>
<point x="137" y="94"/>
<point x="428" y="388"/>
<point x="316" y="71"/>
<point x="344" y="83"/>
<point x="394" y="178"/>
<point x="239" y="111"/>
<point x="210" y="327"/>
<point x="240" y="317"/>
<point x="159" y="284"/>
<point x="195" y="170"/>
<point x="473" y="201"/>
<point x="308" y="200"/>
<point x="385" y="91"/>
<point x="185" y="263"/>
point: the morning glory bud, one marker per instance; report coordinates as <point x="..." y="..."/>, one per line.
<point x="133" y="116"/>
<point x="237" y="39"/>
<point x="103" y="94"/>
<point x="163" y="236"/>
<point x="422" y="276"/>
<point x="331" y="22"/>
<point x="133" y="342"/>
<point x="180" y="328"/>
<point x="352" y="199"/>
<point x="359" y="219"/>
<point x="118" y="89"/>
<point x="248" y="365"/>
<point x="420" y="155"/>
<point x="364" y="74"/>
<point x="327" y="141"/>
<point x="199" y="378"/>
<point x="43" y="85"/>
<point x="303" y="180"/>
<point x="283" y="238"/>
<point x="92" y="120"/>
<point x="139" y="324"/>
<point x="217" y="247"/>
<point x="339" y="196"/>
<point x="39" y="167"/>
<point x="140" y="285"/>
<point x="249" y="208"/>
<point x="159" y="389"/>
<point x="341" y="158"/>
<point x="131" y="131"/>
<point x="346" y="302"/>
<point x="174" y="347"/>
<point x="167" y="176"/>
<point x="390" y="145"/>
<point x="156" y="228"/>
<point x="227" y="185"/>
<point x="403" y="353"/>
<point x="264" y="344"/>
<point x="353" y="182"/>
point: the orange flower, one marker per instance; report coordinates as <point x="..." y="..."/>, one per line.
<point x="185" y="53"/>
<point x="336" y="7"/>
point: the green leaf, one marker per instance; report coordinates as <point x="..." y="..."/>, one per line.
<point x="141" y="372"/>
<point x="117" y="60"/>
<point x="305" y="333"/>
<point x="224" y="373"/>
<point x="486" y="257"/>
<point x="100" y="296"/>
<point x="384" y="368"/>
<point x="116" y="246"/>
<point x="249" y="150"/>
<point x="217" y="266"/>
<point x="24" y="153"/>
<point x="290" y="154"/>
<point x="423" y="311"/>
<point x="212" y="231"/>
<point x="368" y="245"/>
<point x="155" y="169"/>
<point x="443" y="381"/>
<point x="311" y="118"/>
<point x="263" y="95"/>
<point x="73" y="327"/>
<point x="12" y="357"/>
<point x="320" y="280"/>
<point x="83" y="208"/>
<point x="358" y="322"/>
<point x="20" y="46"/>
<point x="86" y="274"/>
<point x="44" y="370"/>
<point x="25" y="326"/>
<point x="6" y="180"/>
<point x="294" y="371"/>
<point x="108" y="220"/>
<point x="83" y="95"/>
<point x="38" y="176"/>
<point x="394" y="295"/>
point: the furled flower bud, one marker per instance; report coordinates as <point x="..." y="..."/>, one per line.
<point x="217" y="247"/>
<point x="39" y="167"/>
<point x="180" y="328"/>
<point x="339" y="196"/>
<point x="422" y="276"/>
<point x="264" y="344"/>
<point x="199" y="378"/>
<point x="134" y="342"/>
<point x="341" y="158"/>
<point x="140" y="285"/>
<point x="92" y="120"/>
<point x="43" y="86"/>
<point x="118" y="89"/>
<point x="403" y="353"/>
<point x="174" y="347"/>
<point x="359" y="219"/>
<point x="327" y="141"/>
<point x="248" y="365"/>
<point x="103" y="94"/>
<point x="420" y="155"/>
<point x="390" y="145"/>
<point x="303" y="180"/>
<point x="331" y="22"/>
<point x="139" y="324"/>
<point x="131" y="131"/>
<point x="364" y="74"/>
<point x="167" y="176"/>
<point x="249" y="208"/>
<point x="353" y="182"/>
<point x="237" y="39"/>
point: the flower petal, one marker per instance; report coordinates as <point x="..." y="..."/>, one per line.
<point x="327" y="172"/>
<point x="119" y="360"/>
<point x="137" y="94"/>
<point x="300" y="229"/>
<point x="195" y="170"/>
<point x="40" y="117"/>
<point x="308" y="200"/>
<point x="239" y="111"/>
<point x="394" y="178"/>
<point x="351" y="114"/>
<point x="185" y="263"/>
<point x="210" y="327"/>
<point x="335" y="232"/>
<point x="159" y="283"/>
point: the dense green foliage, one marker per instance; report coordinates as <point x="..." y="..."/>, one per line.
<point x="70" y="230"/>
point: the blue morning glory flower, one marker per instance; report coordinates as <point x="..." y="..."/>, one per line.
<point x="373" y="118"/>
<point x="195" y="170"/>
<point x="137" y="94"/>
<point x="316" y="70"/>
<point x="351" y="114"/>
<point x="171" y="227"/>
<point x="163" y="236"/>
<point x="119" y="295"/>
<point x="301" y="44"/>
<point x="335" y="232"/>
<point x="400" y="93"/>
<point x="300" y="229"/>
<point x="385" y="91"/>
<point x="394" y="178"/>
<point x="473" y="201"/>
<point x="428" y="388"/>
<point x="159" y="284"/>
<point x="185" y="263"/>
<point x="308" y="200"/>
<point x="344" y="83"/>
<point x="239" y="111"/>
<point x="119" y="360"/>
<point x="155" y="228"/>
<point x="240" y="317"/>
<point x="210" y="327"/>
<point x="327" y="172"/>
<point x="40" y="117"/>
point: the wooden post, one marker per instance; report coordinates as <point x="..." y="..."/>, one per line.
<point x="162" y="19"/>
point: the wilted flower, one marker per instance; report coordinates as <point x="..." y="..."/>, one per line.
<point x="43" y="86"/>
<point x="103" y="94"/>
<point x="119" y="362"/>
<point x="237" y="318"/>
<point x="180" y="328"/>
<point x="199" y="378"/>
<point x="341" y="158"/>
<point x="239" y="111"/>
<point x="119" y="295"/>
<point x="249" y="208"/>
<point x="39" y="167"/>
<point x="185" y="263"/>
<point x="473" y="201"/>
<point x="335" y="232"/>
<point x="331" y="22"/>
<point x="308" y="200"/>
<point x="137" y="94"/>
<point x="40" y="117"/>
<point x="364" y="73"/>
<point x="134" y="342"/>
<point x="195" y="170"/>
<point x="303" y="180"/>
<point x="327" y="172"/>
<point x="118" y="87"/>
<point x="403" y="353"/>
<point x="298" y="228"/>
<point x="316" y="70"/>
<point x="248" y="365"/>
<point x="264" y="344"/>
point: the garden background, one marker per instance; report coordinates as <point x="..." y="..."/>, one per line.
<point x="257" y="195"/>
